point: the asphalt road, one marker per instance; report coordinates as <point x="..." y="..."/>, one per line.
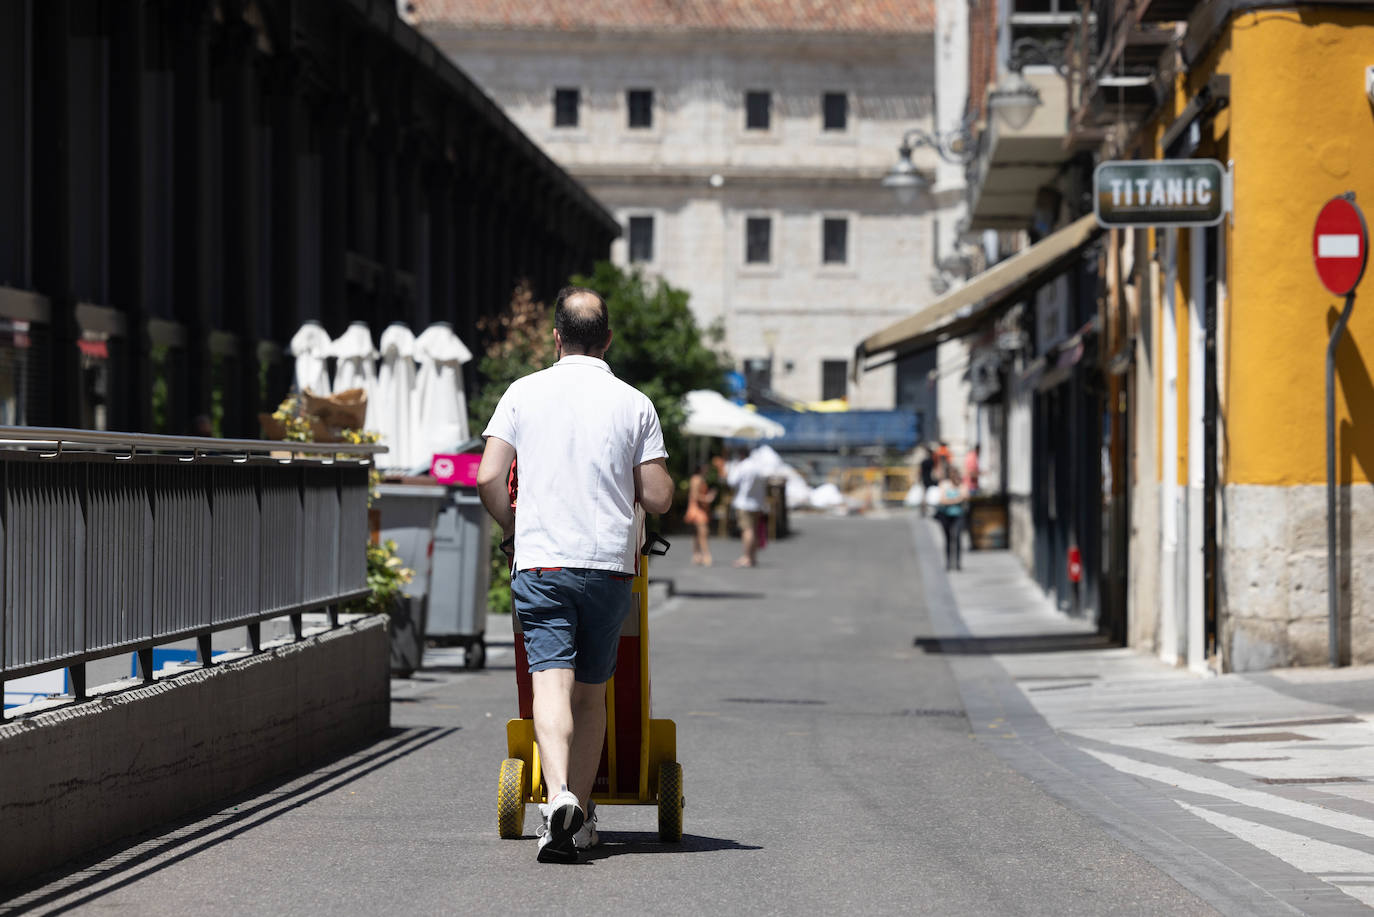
<point x="828" y="768"/>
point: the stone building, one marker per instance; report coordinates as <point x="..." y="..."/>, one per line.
<point x="742" y="146"/>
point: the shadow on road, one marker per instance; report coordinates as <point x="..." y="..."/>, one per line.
<point x="628" y="843"/>
<point x="698" y="594"/>
<point x="122" y="864"/>
<point x="1020" y="643"/>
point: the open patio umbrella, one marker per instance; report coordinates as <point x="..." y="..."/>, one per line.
<point x="441" y="418"/>
<point x="712" y="414"/>
<point x="310" y="346"/>
<point x="391" y="410"/>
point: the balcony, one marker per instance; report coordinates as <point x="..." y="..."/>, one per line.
<point x="1130" y="66"/>
<point x="1018" y="161"/>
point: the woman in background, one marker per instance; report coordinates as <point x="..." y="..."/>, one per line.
<point x="950" y="512"/>
<point x="700" y="496"/>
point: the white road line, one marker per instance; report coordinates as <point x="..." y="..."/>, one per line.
<point x="1254" y="798"/>
<point x="1317" y="858"/>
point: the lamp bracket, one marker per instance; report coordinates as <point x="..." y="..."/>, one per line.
<point x="1026" y="52"/>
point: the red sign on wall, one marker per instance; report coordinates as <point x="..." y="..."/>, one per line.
<point x="1340" y="245"/>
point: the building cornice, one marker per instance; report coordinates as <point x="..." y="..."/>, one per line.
<point x="632" y="174"/>
<point x="843" y="45"/>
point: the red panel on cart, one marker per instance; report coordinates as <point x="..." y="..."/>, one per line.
<point x="627" y="714"/>
<point x="523" y="689"/>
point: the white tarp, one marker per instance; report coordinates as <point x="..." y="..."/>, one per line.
<point x="310" y="346"/>
<point x="827" y="496"/>
<point x="441" y="417"/>
<point x="771" y="465"/>
<point x="394" y="401"/>
<point x="712" y="414"/>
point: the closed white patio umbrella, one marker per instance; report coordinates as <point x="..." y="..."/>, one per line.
<point x="391" y="410"/>
<point x="310" y="346"/>
<point x="355" y="365"/>
<point x="441" y="417"/>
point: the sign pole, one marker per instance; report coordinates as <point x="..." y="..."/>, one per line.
<point x="1340" y="250"/>
<point x="1333" y="604"/>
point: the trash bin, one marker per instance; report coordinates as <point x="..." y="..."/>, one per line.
<point x="406" y="515"/>
<point x="461" y="575"/>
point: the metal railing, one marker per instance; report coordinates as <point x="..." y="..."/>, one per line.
<point x="119" y="542"/>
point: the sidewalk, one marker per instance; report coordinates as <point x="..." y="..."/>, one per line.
<point x="1253" y="790"/>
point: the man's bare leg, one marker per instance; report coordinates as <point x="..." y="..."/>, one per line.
<point x="588" y="738"/>
<point x="553" y="725"/>
<point x="747" y="542"/>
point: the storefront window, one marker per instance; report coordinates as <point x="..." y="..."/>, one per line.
<point x="96" y="369"/>
<point x="221" y="377"/>
<point x="19" y="365"/>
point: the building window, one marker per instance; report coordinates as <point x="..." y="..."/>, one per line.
<point x="758" y="240"/>
<point x="835" y="240"/>
<point x="758" y="105"/>
<point x="835" y="111"/>
<point x="758" y="375"/>
<point x="641" y="239"/>
<point x="834" y="376"/>
<point x="640" y="103"/>
<point x="565" y="104"/>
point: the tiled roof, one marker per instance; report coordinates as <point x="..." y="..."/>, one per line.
<point x="895" y="17"/>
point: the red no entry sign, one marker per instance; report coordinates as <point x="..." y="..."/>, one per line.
<point x="1340" y="245"/>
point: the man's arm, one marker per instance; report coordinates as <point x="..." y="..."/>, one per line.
<point x="653" y="485"/>
<point x="492" y="475"/>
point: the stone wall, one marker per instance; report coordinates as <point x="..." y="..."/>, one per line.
<point x="85" y="775"/>
<point x="1273" y="587"/>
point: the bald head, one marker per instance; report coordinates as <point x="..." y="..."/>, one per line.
<point x="580" y="318"/>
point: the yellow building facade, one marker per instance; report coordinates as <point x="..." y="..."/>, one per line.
<point x="1229" y="563"/>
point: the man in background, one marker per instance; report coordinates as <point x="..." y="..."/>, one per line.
<point x="747" y="481"/>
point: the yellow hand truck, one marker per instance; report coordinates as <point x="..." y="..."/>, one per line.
<point x="639" y="763"/>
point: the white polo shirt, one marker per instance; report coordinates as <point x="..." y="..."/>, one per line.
<point x="579" y="433"/>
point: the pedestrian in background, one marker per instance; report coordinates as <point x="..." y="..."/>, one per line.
<point x="700" y="497"/>
<point x="928" y="477"/>
<point x="971" y="469"/>
<point x="943" y="458"/>
<point x="747" y="481"/>
<point x="950" y="512"/>
<point x="590" y="447"/>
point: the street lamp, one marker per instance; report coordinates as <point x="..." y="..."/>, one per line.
<point x="1014" y="100"/>
<point x="905" y="179"/>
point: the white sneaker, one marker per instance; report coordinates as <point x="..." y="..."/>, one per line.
<point x="586" y="837"/>
<point x="563" y="818"/>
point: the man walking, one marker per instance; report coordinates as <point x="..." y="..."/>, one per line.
<point x="589" y="447"/>
<point x="750" y="487"/>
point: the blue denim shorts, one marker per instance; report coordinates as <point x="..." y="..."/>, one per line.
<point x="571" y="618"/>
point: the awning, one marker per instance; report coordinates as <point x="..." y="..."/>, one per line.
<point x="1057" y="365"/>
<point x="1002" y="284"/>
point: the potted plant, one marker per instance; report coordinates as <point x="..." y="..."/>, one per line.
<point x="299" y="420"/>
<point x="387" y="576"/>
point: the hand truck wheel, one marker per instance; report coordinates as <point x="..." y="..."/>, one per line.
<point x="510" y="799"/>
<point x="670" y="802"/>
